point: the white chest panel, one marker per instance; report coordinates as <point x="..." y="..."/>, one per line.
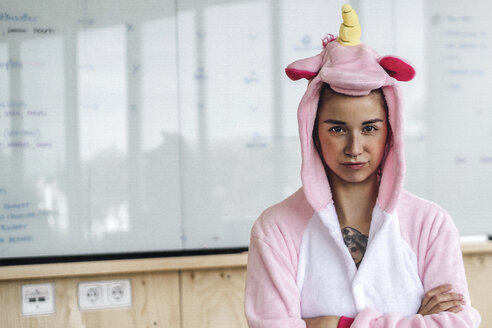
<point x="387" y="279"/>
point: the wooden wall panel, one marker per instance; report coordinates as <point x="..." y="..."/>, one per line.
<point x="155" y="304"/>
<point x="213" y="298"/>
<point x="479" y="274"/>
<point x="199" y="297"/>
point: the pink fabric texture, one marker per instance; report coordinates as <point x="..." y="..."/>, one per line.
<point x="273" y="297"/>
<point x="307" y="68"/>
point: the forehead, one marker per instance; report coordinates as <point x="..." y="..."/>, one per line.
<point x="352" y="108"/>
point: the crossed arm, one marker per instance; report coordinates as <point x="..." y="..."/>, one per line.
<point x="436" y="300"/>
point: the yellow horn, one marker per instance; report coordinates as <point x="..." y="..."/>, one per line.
<point x="350" y="28"/>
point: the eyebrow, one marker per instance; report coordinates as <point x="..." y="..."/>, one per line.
<point x="376" y="120"/>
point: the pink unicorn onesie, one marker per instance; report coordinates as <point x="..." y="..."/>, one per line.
<point x="299" y="266"/>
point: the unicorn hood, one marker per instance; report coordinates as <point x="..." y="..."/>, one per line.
<point x="353" y="69"/>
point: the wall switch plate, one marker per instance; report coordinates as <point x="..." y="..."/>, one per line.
<point x="38" y="299"/>
<point x="104" y="294"/>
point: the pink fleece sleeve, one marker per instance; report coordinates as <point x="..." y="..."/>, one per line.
<point x="272" y="299"/>
<point x="440" y="261"/>
<point x="345" y="322"/>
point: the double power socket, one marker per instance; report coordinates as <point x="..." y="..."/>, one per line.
<point x="40" y="298"/>
<point x="104" y="294"/>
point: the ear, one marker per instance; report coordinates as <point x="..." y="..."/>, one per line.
<point x="297" y="74"/>
<point x="397" y="68"/>
<point x="304" y="68"/>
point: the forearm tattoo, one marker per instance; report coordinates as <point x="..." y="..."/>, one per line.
<point x="356" y="243"/>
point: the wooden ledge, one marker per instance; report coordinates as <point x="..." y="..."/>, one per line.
<point x="476" y="248"/>
<point x="202" y="262"/>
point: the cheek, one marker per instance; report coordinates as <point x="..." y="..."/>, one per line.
<point x="329" y="147"/>
<point x="379" y="146"/>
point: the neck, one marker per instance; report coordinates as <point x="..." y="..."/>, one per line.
<point x="354" y="202"/>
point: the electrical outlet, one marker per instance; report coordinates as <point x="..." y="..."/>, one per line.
<point x="38" y="299"/>
<point x="116" y="292"/>
<point x="94" y="294"/>
<point x="104" y="294"/>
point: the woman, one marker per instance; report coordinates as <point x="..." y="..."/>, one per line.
<point x="351" y="248"/>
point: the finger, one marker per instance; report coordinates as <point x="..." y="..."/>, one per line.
<point x="435" y="291"/>
<point x="444" y="298"/>
<point x="456" y="309"/>
<point x="441" y="298"/>
<point x="445" y="306"/>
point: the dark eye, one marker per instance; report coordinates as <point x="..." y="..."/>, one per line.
<point x="336" y="129"/>
<point x="370" y="128"/>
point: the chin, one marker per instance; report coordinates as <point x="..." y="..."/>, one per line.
<point x="354" y="179"/>
<point x="357" y="177"/>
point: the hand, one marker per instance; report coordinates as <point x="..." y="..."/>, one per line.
<point x="329" y="321"/>
<point x="439" y="299"/>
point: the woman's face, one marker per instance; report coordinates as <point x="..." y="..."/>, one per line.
<point x="352" y="134"/>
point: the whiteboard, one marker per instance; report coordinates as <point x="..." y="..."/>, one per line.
<point x="459" y="137"/>
<point x="147" y="126"/>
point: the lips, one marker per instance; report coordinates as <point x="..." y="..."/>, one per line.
<point x="355" y="166"/>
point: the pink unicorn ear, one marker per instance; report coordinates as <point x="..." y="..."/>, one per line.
<point x="397" y="68"/>
<point x="304" y="68"/>
<point x="297" y="74"/>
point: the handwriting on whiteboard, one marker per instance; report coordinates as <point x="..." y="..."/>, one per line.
<point x="24" y="17"/>
<point x="10" y="64"/>
<point x="15" y="218"/>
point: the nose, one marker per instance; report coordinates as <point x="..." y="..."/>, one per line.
<point x="354" y="145"/>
